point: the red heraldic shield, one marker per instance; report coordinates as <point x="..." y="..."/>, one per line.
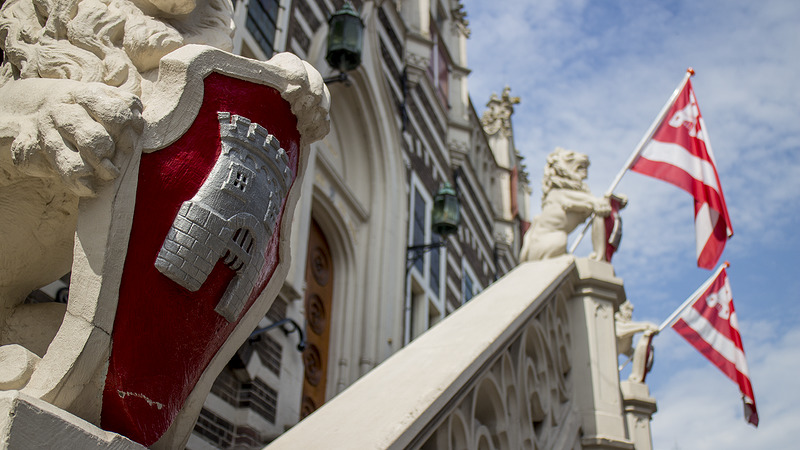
<point x="192" y="269"/>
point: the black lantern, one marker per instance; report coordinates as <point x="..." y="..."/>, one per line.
<point x="446" y="217"/>
<point x="446" y="214"/>
<point x="345" y="38"/>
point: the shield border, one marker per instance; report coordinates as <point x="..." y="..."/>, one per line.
<point x="72" y="373"/>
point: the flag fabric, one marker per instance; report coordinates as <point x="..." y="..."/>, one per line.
<point x="679" y="153"/>
<point x="710" y="326"/>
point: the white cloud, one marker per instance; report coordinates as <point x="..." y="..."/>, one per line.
<point x="591" y="77"/>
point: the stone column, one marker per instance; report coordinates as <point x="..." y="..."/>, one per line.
<point x="595" y="377"/>
<point x="639" y="410"/>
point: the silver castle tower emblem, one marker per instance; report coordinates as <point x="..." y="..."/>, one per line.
<point x="232" y="216"/>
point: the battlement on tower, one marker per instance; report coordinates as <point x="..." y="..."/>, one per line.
<point x="240" y="132"/>
<point x="232" y="216"/>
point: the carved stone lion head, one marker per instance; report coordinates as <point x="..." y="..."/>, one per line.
<point x="115" y="42"/>
<point x="565" y="169"/>
<point x="80" y="102"/>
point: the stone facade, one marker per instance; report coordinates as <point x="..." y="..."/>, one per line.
<point x="401" y="126"/>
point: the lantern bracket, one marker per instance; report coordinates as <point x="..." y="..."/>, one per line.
<point x="418" y="251"/>
<point x="446" y="218"/>
<point x="283" y="324"/>
<point x="341" y="77"/>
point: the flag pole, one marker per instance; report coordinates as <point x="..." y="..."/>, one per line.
<point x="694" y="296"/>
<point x="637" y="151"/>
<point x="650" y="131"/>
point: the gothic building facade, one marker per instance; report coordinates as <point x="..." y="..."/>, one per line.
<point x="402" y="125"/>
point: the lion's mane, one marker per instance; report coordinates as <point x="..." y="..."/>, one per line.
<point x="557" y="173"/>
<point x="115" y="42"/>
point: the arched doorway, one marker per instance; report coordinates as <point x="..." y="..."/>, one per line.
<point x="318" y="301"/>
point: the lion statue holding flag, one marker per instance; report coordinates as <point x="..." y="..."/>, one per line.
<point x="566" y="203"/>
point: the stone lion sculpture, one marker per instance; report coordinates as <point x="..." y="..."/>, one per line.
<point x="626" y="329"/>
<point x="77" y="80"/>
<point x="566" y="203"/>
<point x="75" y="77"/>
<point x="72" y="85"/>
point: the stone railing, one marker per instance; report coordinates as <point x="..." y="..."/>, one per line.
<point x="530" y="363"/>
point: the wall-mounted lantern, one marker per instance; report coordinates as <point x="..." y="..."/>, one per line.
<point x="345" y="40"/>
<point x="446" y="217"/>
<point x="446" y="212"/>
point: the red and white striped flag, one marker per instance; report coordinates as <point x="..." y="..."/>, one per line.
<point x="710" y="325"/>
<point x="679" y="153"/>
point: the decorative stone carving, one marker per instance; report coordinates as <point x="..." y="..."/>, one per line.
<point x="232" y="215"/>
<point x="566" y="203"/>
<point x="417" y="60"/>
<point x="540" y="372"/>
<point x="460" y="18"/>
<point x="72" y="86"/>
<point x="504" y="235"/>
<point x="530" y="382"/>
<point x="498" y="117"/>
<point x="108" y="126"/>
<point x="626" y="329"/>
<point x="457" y="145"/>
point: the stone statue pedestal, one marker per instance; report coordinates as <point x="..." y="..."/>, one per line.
<point x="597" y="294"/>
<point x="28" y="422"/>
<point x="639" y="409"/>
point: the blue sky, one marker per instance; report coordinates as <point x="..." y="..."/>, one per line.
<point x="592" y="75"/>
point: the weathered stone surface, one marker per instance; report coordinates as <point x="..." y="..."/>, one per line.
<point x="530" y="362"/>
<point x="27" y="422"/>
<point x="86" y="89"/>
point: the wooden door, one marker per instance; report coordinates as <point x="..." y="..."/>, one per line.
<point x="318" y="297"/>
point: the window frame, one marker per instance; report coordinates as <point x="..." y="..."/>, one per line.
<point x="439" y="64"/>
<point x="468" y="272"/>
<point x="423" y="300"/>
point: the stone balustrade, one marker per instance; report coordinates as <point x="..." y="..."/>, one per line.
<point x="530" y="363"/>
